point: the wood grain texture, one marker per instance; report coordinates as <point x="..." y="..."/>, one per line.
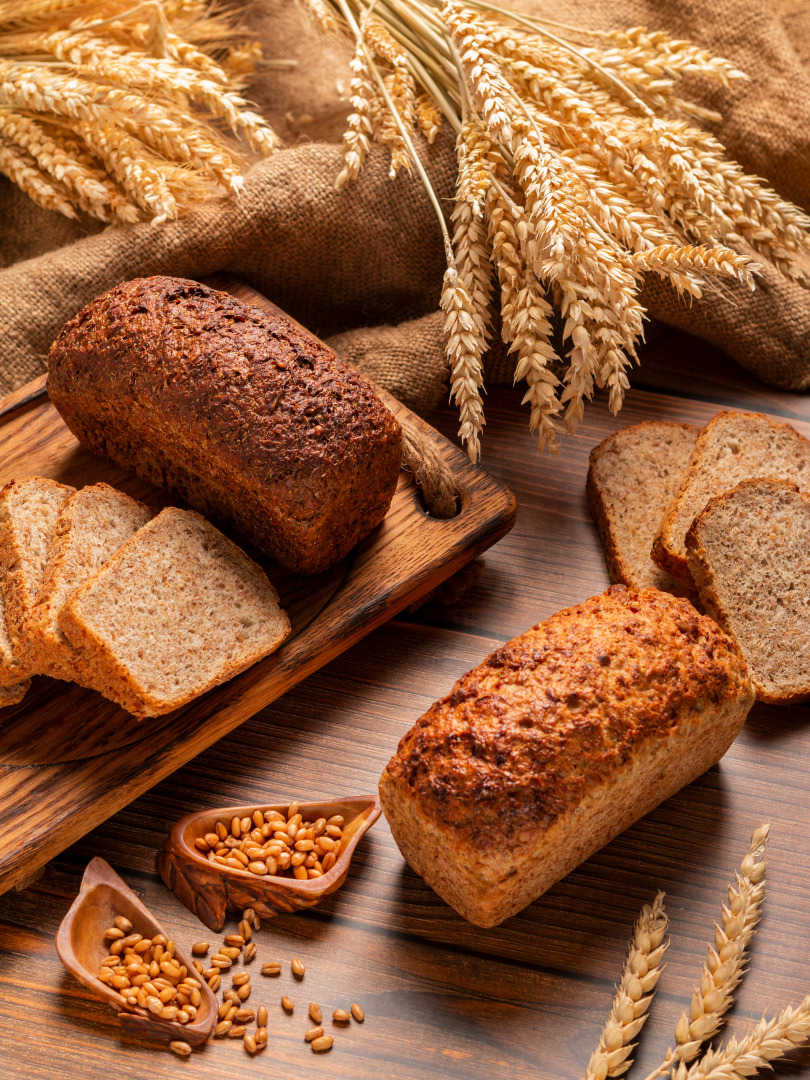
<point x="69" y="758"/>
<point x="444" y="999"/>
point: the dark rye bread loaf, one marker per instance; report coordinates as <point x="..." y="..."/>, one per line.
<point x="557" y="742"/>
<point x="244" y="414"/>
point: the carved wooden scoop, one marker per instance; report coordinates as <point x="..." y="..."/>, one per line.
<point x="210" y="889"/>
<point x="81" y="946"/>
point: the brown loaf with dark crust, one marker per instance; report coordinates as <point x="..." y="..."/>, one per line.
<point x="244" y="414"/>
<point x="557" y="742"/>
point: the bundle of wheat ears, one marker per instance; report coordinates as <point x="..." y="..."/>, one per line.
<point x="722" y="973"/>
<point x="580" y="169"/>
<point x="120" y="109"/>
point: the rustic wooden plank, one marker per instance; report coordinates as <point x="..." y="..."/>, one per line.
<point x="58" y="780"/>
<point x="445" y="999"/>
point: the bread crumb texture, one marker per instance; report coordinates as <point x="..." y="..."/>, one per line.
<point x="749" y="552"/>
<point x="734" y="446"/>
<point x="634" y="475"/>
<point x="177" y="610"/>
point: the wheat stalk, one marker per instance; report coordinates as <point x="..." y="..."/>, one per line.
<point x="725" y="962"/>
<point x="770" y="1039"/>
<point x="634" y="994"/>
<point x="605" y="175"/>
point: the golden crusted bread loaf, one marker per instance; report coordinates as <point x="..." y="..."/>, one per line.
<point x="557" y="742"/>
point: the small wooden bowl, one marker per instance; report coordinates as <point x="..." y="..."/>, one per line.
<point x="81" y="947"/>
<point x="210" y="890"/>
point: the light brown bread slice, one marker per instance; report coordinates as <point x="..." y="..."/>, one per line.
<point x="632" y="479"/>
<point x="90" y="527"/>
<point x="11" y="695"/>
<point x="734" y="446"/>
<point x="749" y="553"/>
<point x="177" y="610"/>
<point x="28" y="510"/>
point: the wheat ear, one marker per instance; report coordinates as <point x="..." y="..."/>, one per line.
<point x="769" y="1040"/>
<point x="464" y="352"/>
<point x="725" y="962"/>
<point x="642" y="969"/>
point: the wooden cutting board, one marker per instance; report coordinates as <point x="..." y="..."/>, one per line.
<point x="69" y="759"/>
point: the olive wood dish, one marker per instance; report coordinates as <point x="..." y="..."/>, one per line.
<point x="210" y="889"/>
<point x="81" y="947"/>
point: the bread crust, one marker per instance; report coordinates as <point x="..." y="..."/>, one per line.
<point x="602" y="511"/>
<point x="702" y="569"/>
<point x="244" y="414"/>
<point x="669" y="548"/>
<point x="557" y="742"/>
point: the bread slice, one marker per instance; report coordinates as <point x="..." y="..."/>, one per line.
<point x="90" y="527"/>
<point x="28" y="510"/>
<point x="11" y="695"/>
<point x="734" y="446"/>
<point x="177" y="610"/>
<point x="749" y="553"/>
<point x="632" y="479"/>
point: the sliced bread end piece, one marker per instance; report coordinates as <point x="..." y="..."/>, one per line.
<point x="734" y="446"/>
<point x="749" y="553"/>
<point x="28" y="510"/>
<point x="90" y="527"/>
<point x="632" y="479"/>
<point x="177" y="610"/>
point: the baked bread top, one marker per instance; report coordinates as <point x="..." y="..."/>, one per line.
<point x="244" y="413"/>
<point x="552" y="713"/>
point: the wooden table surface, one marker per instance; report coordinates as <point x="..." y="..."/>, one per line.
<point x="443" y="998"/>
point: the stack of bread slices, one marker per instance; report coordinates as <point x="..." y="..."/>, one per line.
<point x="721" y="515"/>
<point x="149" y="608"/>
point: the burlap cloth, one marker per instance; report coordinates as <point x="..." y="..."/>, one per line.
<point x="365" y="263"/>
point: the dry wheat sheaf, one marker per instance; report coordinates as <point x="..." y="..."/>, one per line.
<point x="580" y="169"/>
<point x="125" y="110"/>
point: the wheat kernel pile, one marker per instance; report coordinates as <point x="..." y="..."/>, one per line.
<point x="147" y="975"/>
<point x="269" y="842"/>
